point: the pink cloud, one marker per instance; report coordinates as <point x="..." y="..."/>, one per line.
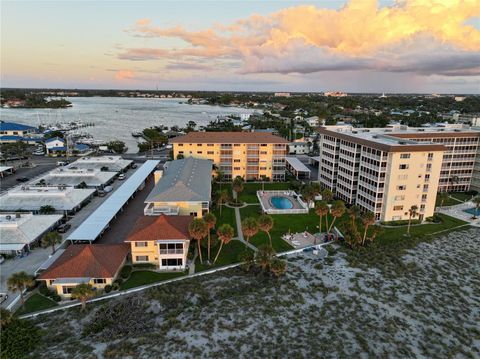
<point x="124" y="75"/>
<point x="143" y="22"/>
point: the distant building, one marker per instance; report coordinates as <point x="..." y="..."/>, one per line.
<point x="459" y="98"/>
<point x="335" y="94"/>
<point x="18" y="231"/>
<point x="183" y="188"/>
<point x="281" y="94"/>
<point x="251" y="155"/>
<point x="313" y="121"/>
<point x="15" y="129"/>
<point x="57" y="144"/>
<point x="94" y="264"/>
<point x="162" y="241"/>
<point x="108" y="163"/>
<point x="298" y="148"/>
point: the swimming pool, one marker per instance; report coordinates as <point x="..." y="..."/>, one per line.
<point x="472" y="211"/>
<point x="281" y="202"/>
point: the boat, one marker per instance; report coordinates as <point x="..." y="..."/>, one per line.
<point x="136" y="134"/>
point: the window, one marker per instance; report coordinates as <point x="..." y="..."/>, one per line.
<point x="236" y="161"/>
<point x="237" y="168"/>
<point x="67" y="290"/>
<point x="141" y="258"/>
<point x="405" y="155"/>
<point x="199" y="152"/>
<point x="180" y="152"/>
<point x="172" y="262"/>
<point x="236" y="145"/>
<point x="209" y="144"/>
<point x="99" y="280"/>
<point x="263" y="152"/>
<point x="398" y="208"/>
<point x="210" y="152"/>
<point x="180" y="145"/>
<point x="263" y="168"/>
<point x="403" y="166"/>
<point x="424" y="197"/>
<point x="141" y="244"/>
<point x="194" y="214"/>
<point x="400" y="198"/>
<point x="401" y="188"/>
<point x="171" y="248"/>
<point x="199" y="144"/>
<point x="430" y="156"/>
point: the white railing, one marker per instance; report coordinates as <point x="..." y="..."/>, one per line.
<point x="151" y="210"/>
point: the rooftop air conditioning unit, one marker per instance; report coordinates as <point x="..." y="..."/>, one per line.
<point x="8" y="217"/>
<point x="18" y="215"/>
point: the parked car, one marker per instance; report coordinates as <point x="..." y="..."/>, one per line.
<point x="122" y="176"/>
<point x="101" y="193"/>
<point x="64" y="228"/>
<point x="38" y="153"/>
<point x="22" y="179"/>
<point x="134" y="165"/>
<point x="108" y="189"/>
<point x="62" y="163"/>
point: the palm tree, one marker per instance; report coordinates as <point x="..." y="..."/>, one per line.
<point x="315" y="186"/>
<point x="265" y="223"/>
<point x="278" y="267"/>
<point x="321" y="209"/>
<point x="210" y="220"/>
<point x="249" y="227"/>
<point x="83" y="292"/>
<point x="5" y="317"/>
<point x="327" y="195"/>
<point x="476" y="201"/>
<point x="443" y="198"/>
<point x="18" y="282"/>
<point x="225" y="234"/>
<point x="308" y="194"/>
<point x="375" y="232"/>
<point x="221" y="199"/>
<point x="237" y="186"/>
<point x="50" y="239"/>
<point x="412" y="213"/>
<point x="337" y="210"/>
<point x="264" y="256"/>
<point x="220" y="175"/>
<point x="368" y="218"/>
<point x="198" y="229"/>
<point x="353" y="213"/>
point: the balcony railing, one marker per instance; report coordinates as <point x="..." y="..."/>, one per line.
<point x="151" y="210"/>
<point x="171" y="251"/>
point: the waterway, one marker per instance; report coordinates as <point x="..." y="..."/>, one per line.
<point x="115" y="118"/>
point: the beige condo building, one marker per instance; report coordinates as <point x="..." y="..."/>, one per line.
<point x="251" y="155"/>
<point x="379" y="172"/>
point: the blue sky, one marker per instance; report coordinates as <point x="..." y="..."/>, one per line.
<point x="359" y="45"/>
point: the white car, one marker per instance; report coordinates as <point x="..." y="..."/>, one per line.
<point x="122" y="176"/>
<point x="108" y="189"/>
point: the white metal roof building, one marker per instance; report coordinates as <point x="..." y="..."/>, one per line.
<point x="113" y="163"/>
<point x="297" y="168"/>
<point x="32" y="198"/>
<point x="93" y="178"/>
<point x="99" y="220"/>
<point x="19" y="230"/>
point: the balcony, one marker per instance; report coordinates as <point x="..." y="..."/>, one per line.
<point x="171" y="251"/>
<point x="151" y="210"/>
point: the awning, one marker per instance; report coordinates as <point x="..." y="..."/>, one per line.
<point x="4" y="247"/>
<point x="73" y="281"/>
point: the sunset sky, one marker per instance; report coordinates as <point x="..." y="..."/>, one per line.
<point x="354" y="46"/>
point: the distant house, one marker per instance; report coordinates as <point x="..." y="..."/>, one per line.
<point x="313" y="121"/>
<point x="298" y="148"/>
<point x="95" y="264"/>
<point x="57" y="144"/>
<point x="15" y="129"/>
<point x="183" y="188"/>
<point x="162" y="241"/>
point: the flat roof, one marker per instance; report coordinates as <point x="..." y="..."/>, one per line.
<point x="229" y="137"/>
<point x="188" y="179"/>
<point x="31" y="198"/>
<point x="94" y="225"/>
<point x="73" y="177"/>
<point x="297" y="164"/>
<point x="5" y="168"/>
<point x="24" y="228"/>
<point x="114" y="163"/>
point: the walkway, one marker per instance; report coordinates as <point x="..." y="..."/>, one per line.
<point x="240" y="237"/>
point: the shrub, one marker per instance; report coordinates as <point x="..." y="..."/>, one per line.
<point x="42" y="288"/>
<point x="400" y="223"/>
<point x="119" y="281"/>
<point x="126" y="271"/>
<point x="56" y="297"/>
<point x="144" y="266"/>
<point x="18" y="338"/>
<point x="108" y="288"/>
<point x="115" y="286"/>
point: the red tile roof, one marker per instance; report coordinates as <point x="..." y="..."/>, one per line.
<point x="151" y="228"/>
<point x="229" y="137"/>
<point x="88" y="261"/>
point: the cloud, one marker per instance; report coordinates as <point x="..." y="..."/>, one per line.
<point x="143" y="22"/>
<point x="124" y="75"/>
<point x="421" y="36"/>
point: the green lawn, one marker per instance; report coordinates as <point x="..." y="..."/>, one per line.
<point x="229" y="255"/>
<point x="249" y="193"/>
<point x="283" y="223"/>
<point x="143" y="277"/>
<point x="227" y="217"/>
<point x="35" y="303"/>
<point x="461" y="196"/>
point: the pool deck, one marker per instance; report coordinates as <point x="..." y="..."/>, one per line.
<point x="458" y="211"/>
<point x="265" y="200"/>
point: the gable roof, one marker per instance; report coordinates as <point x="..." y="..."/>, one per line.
<point x="188" y="179"/>
<point x="228" y="137"/>
<point x="12" y="126"/>
<point x="151" y="228"/>
<point x="88" y="261"/>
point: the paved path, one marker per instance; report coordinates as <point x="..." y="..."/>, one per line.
<point x="191" y="268"/>
<point x="240" y="237"/>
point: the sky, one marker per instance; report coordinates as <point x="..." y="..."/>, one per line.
<point x="418" y="46"/>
